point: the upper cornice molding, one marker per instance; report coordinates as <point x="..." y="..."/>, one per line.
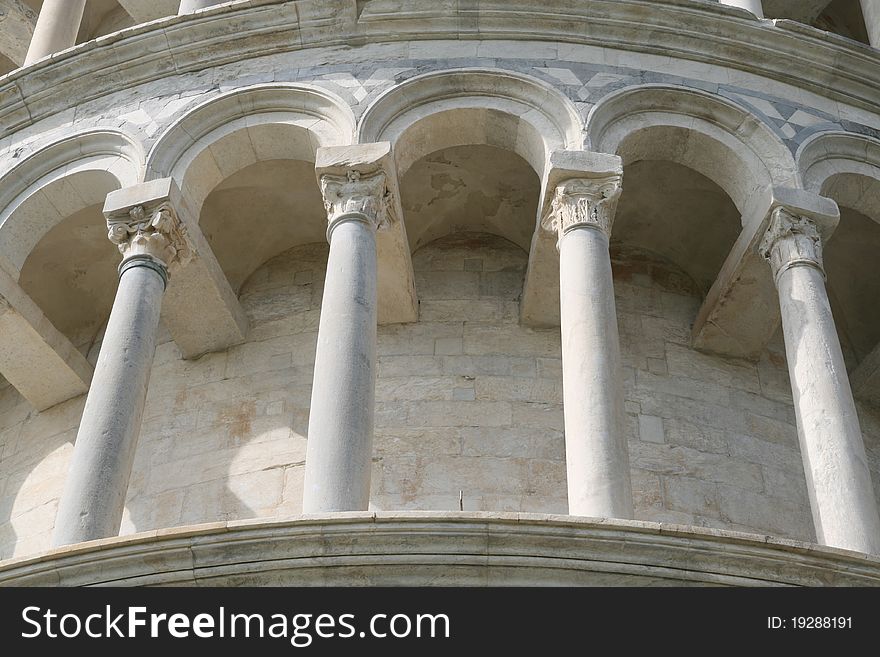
<point x="696" y="30"/>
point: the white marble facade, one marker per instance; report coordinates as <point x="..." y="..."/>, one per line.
<point x="361" y="265"/>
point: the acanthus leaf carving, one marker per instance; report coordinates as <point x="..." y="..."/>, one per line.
<point x="791" y="240"/>
<point x="588" y="202"/>
<point x="357" y="196"/>
<point x="155" y="231"/>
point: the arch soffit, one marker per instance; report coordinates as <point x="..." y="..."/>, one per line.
<point x="236" y="129"/>
<point x="723" y="141"/>
<point x="843" y="166"/>
<point x="58" y="180"/>
<point x="461" y="107"/>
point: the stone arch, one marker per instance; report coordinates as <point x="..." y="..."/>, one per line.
<point x="844" y="166"/>
<point x="260" y="133"/>
<point x="234" y="130"/>
<point x="39" y="195"/>
<point x="58" y="180"/>
<point x="461" y="107"/>
<point x="709" y="134"/>
<point x="458" y="117"/>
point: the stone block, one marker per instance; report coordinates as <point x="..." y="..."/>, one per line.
<point x="463" y="394"/>
<point x="693" y="496"/>
<point x="651" y="429"/>
<point x="762" y="512"/>
<point x="489" y="365"/>
<point x="447" y="346"/>
<point x="512" y="442"/>
<point x="682" y="461"/>
<point x="488" y="310"/>
<point x="412" y="388"/>
<point x="702" y="438"/>
<point x="538" y="416"/>
<point x="451" y="285"/>
<point x="725" y="372"/>
<point x="755" y="450"/>
<point x="404" y="365"/>
<point x="459" y="414"/>
<point x="480" y="340"/>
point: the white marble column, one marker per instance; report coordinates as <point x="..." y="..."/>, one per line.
<point x="871" y="14"/>
<point x="353" y="182"/>
<point x="584" y="199"/>
<point x="753" y="6"/>
<point x="150" y="238"/>
<point x="56" y="29"/>
<point x="838" y="479"/>
<point x="189" y="6"/>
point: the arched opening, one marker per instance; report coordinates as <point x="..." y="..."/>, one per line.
<point x="725" y="144"/>
<point x="475" y="188"/>
<point x="716" y="138"/>
<point x="71" y="272"/>
<point x="694" y="170"/>
<point x="846" y="168"/>
<point x="54" y="246"/>
<point x="260" y="211"/>
<point x="679" y="215"/>
<point x="430" y="116"/>
<point x="850" y="263"/>
<point x="244" y="163"/>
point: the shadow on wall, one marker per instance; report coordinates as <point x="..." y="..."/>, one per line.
<point x="869" y="418"/>
<point x="224" y="435"/>
<point x="35" y="449"/>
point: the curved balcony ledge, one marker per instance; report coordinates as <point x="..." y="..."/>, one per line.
<point x="443" y="548"/>
<point x="694" y="30"/>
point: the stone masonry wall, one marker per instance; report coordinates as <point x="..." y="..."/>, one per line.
<point x="466" y="400"/>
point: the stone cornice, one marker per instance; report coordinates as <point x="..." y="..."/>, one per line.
<point x="483" y="547"/>
<point x="687" y="29"/>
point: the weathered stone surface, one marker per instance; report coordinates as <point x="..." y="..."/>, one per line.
<point x="43" y="365"/>
<point x="468" y="398"/>
<point x="200" y="308"/>
<point x="454" y="548"/>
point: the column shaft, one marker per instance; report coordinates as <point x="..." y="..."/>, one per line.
<point x="753" y="6"/>
<point x="871" y="14"/>
<point x="582" y="192"/>
<point x="597" y="461"/>
<point x="142" y="222"/>
<point x="97" y="482"/>
<point x="56" y="29"/>
<point x="189" y="6"/>
<point x="340" y="441"/>
<point x="838" y="479"/>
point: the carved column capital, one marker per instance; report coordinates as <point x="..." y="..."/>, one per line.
<point x="791" y="240"/>
<point x="356" y="197"/>
<point x="583" y="202"/>
<point x="153" y="231"/>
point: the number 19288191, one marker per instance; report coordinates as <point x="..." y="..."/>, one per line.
<point x="810" y="623"/>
